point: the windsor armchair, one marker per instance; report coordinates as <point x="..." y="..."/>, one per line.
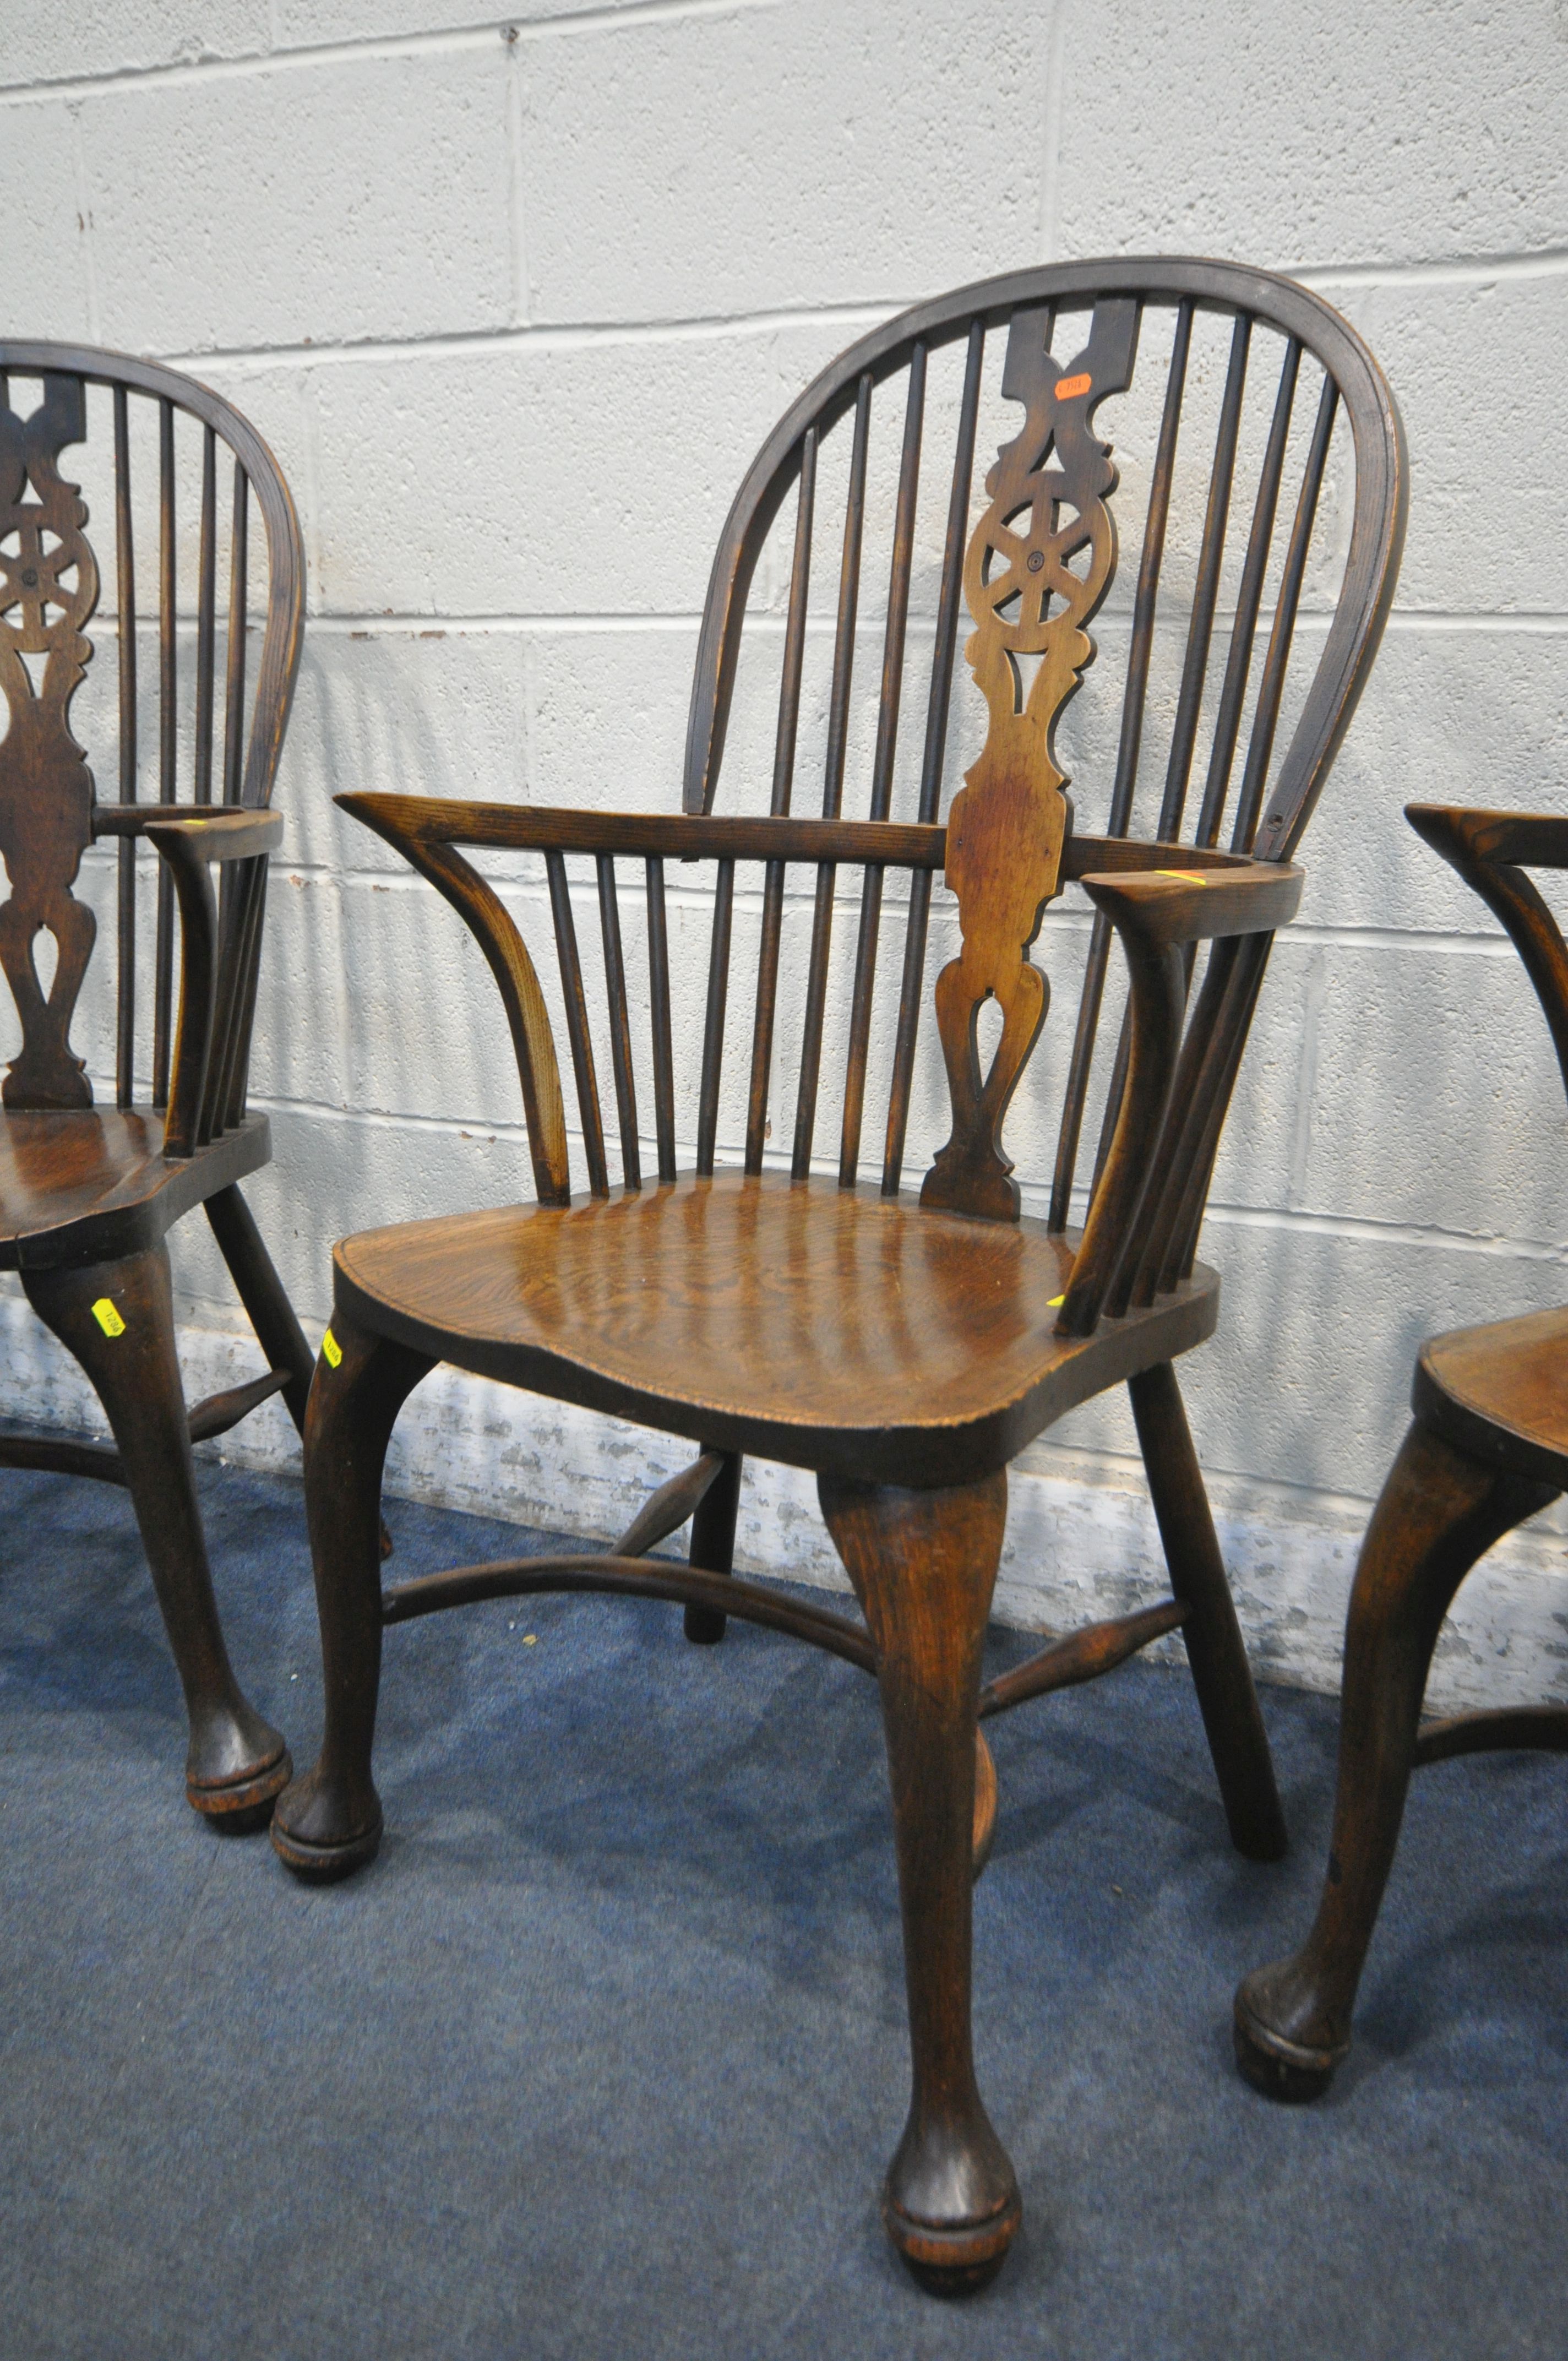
<point x="1487" y="1447"/>
<point x="903" y="1349"/>
<point x="88" y="1193"/>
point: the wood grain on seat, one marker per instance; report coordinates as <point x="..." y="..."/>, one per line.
<point x="1501" y="1393"/>
<point x="94" y="1184"/>
<point x="820" y="1325"/>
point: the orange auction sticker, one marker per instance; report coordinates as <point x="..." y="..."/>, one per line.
<point x="1070" y="388"/>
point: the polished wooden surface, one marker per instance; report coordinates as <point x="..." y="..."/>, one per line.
<point x="904" y="1351"/>
<point x="88" y="1194"/>
<point x="1487" y="1450"/>
<point x="825" y="1326"/>
<point x="1501" y="1393"/>
<point x="95" y="1184"/>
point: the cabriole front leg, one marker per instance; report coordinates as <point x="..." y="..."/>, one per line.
<point x="329" y="1822"/>
<point x="117" y="1320"/>
<point x="1438" y="1513"/>
<point x="923" y="1565"/>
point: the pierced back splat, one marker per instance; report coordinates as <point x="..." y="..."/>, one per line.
<point x="46" y="787"/>
<point x="1010" y="819"/>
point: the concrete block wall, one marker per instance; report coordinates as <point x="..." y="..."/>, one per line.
<point x="515" y="301"/>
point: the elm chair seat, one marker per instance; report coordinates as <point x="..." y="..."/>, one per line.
<point x="797" y="1321"/>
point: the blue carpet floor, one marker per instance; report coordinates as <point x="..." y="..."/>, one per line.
<point x="605" y="2056"/>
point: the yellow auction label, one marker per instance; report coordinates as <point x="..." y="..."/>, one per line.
<point x="108" y="1319"/>
<point x="331" y="1351"/>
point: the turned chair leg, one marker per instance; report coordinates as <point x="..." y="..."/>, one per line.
<point x="329" y="1821"/>
<point x="259" y="1288"/>
<point x="713" y="1546"/>
<point x="1215" y="1651"/>
<point x="236" y="1763"/>
<point x="1438" y="1513"/>
<point x="924" y="1565"/>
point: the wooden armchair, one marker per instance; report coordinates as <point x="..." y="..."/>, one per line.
<point x="88" y="1194"/>
<point x="1487" y="1449"/>
<point x="904" y="1348"/>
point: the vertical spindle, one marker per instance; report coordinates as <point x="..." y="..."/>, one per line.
<point x="126" y="599"/>
<point x="1243" y="631"/>
<point x="883" y="767"/>
<point x="619" y="1024"/>
<point x="933" y="759"/>
<point x="577" y="1022"/>
<point x="206" y="597"/>
<point x="659" y="1003"/>
<point x="783" y="784"/>
<point x="234" y="699"/>
<point x="166" y="685"/>
<point x="713" y="1026"/>
<point x="1271" y="687"/>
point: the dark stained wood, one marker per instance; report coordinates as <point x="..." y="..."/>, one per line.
<point x="1488" y="1448"/>
<point x="236" y="1763"/>
<point x="620" y="1025"/>
<point x="578" y="1032"/>
<point x="1440" y="1510"/>
<point x="88" y="1196"/>
<point x="903" y="1352"/>
<point x="658" y="1009"/>
<point x="713" y="1544"/>
<point x="713" y="1019"/>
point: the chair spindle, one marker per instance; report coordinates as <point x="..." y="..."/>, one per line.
<point x="126" y="854"/>
<point x="1243" y="631"/>
<point x="167" y="686"/>
<point x="882" y="765"/>
<point x="1271" y="688"/>
<point x="659" y="1000"/>
<point x="713" y="1026"/>
<point x="619" y="1023"/>
<point x="206" y="601"/>
<point x="932" y="761"/>
<point x="577" y="1022"/>
<point x="783" y="787"/>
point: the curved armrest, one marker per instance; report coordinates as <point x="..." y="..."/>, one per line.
<point x="422" y="828"/>
<point x="188" y="841"/>
<point x="1192" y="905"/>
<point x="1486" y="848"/>
<point x="1157" y="913"/>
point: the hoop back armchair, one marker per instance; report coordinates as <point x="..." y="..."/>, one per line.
<point x="89" y="1192"/>
<point x="801" y="1301"/>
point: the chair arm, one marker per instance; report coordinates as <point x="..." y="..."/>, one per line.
<point x="1158" y="913"/>
<point x="414" y="826"/>
<point x="1486" y="848"/>
<point x="187" y="842"/>
<point x="1192" y="905"/>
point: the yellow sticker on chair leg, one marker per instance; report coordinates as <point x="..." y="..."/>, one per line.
<point x="108" y="1319"/>
<point x="331" y="1351"/>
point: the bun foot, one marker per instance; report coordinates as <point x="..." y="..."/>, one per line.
<point x="1282" y="2064"/>
<point x="320" y="1836"/>
<point x="236" y="1765"/>
<point x="240" y="1807"/>
<point x="956" y="2260"/>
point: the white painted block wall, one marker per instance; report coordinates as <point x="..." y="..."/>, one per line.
<point x="514" y="302"/>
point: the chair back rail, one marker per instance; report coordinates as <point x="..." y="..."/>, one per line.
<point x="1274" y="462"/>
<point x="214" y="744"/>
